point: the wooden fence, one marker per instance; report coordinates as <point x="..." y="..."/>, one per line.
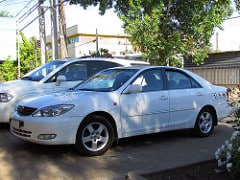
<point x="227" y="76"/>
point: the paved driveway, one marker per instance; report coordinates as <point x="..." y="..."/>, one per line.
<point x="23" y="160"/>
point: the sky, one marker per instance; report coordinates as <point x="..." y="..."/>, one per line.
<point x="90" y="20"/>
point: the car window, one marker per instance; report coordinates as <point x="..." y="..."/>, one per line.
<point x="179" y="80"/>
<point x="150" y="80"/>
<point x="96" y="66"/>
<point x="42" y="71"/>
<point x="73" y="72"/>
<point x="106" y="81"/>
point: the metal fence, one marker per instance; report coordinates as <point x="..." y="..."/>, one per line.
<point x="227" y="76"/>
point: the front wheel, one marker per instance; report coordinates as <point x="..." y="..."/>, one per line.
<point x="204" y="123"/>
<point x="94" y="136"/>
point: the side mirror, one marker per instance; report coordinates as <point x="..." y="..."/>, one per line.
<point x="133" y="89"/>
<point x="60" y="79"/>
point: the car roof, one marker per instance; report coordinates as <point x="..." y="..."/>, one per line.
<point x="120" y="61"/>
<point x="200" y="80"/>
<point x="152" y="67"/>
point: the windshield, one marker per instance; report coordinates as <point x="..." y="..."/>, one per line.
<point x="41" y="71"/>
<point x="106" y="81"/>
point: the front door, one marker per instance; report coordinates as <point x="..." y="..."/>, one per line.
<point x="146" y="111"/>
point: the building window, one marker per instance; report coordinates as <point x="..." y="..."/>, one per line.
<point x="48" y="47"/>
<point x="73" y="40"/>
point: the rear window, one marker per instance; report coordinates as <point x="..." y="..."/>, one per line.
<point x="96" y="66"/>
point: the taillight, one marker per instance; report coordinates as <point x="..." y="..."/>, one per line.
<point x="227" y="92"/>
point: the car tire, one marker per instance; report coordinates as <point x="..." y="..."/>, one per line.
<point x="94" y="136"/>
<point x="205" y="123"/>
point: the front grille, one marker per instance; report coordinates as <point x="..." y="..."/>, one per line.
<point x="25" y="111"/>
<point x="22" y="133"/>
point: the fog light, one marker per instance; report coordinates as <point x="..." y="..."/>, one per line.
<point x="46" y="136"/>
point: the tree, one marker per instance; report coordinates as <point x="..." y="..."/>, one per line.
<point x="29" y="54"/>
<point x="29" y="59"/>
<point x="8" y="70"/>
<point x="237" y="2"/>
<point x="5" y="14"/>
<point x="162" y="29"/>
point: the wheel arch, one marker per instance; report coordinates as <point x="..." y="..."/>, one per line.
<point x="213" y="111"/>
<point x="108" y="117"/>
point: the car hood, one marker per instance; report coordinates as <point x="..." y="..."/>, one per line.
<point x="84" y="102"/>
<point x="11" y="85"/>
<point x="78" y="98"/>
<point x="49" y="99"/>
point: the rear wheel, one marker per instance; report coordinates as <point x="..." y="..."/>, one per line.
<point x="204" y="123"/>
<point x="94" y="136"/>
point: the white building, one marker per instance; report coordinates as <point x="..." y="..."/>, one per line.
<point x="7" y="38"/>
<point x="81" y="42"/>
<point x="227" y="38"/>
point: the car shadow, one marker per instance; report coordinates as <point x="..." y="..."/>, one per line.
<point x="4" y="126"/>
<point x="155" y="137"/>
<point x="59" y="150"/>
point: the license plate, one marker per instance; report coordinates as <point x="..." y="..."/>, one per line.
<point x="17" y="124"/>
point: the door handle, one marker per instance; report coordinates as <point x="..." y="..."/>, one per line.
<point x="163" y="97"/>
<point x="199" y="94"/>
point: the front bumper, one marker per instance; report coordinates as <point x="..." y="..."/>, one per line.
<point x="6" y="109"/>
<point x="56" y="130"/>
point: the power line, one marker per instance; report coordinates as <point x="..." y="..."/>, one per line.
<point x="31" y="21"/>
<point x="24" y="8"/>
<point x="11" y="2"/>
<point x="30" y="11"/>
<point x="2" y="1"/>
<point x="12" y="6"/>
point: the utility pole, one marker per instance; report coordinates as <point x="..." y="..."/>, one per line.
<point x="18" y="51"/>
<point x="97" y="43"/>
<point x="62" y="30"/>
<point x="54" y="29"/>
<point x="42" y="33"/>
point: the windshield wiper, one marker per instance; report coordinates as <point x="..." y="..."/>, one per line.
<point x="85" y="89"/>
<point x="26" y="78"/>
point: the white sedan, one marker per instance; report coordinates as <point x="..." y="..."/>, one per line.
<point x="118" y="103"/>
<point x="54" y="76"/>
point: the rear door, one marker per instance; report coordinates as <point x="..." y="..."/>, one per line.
<point x="185" y="97"/>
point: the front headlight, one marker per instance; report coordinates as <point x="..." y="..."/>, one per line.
<point x="55" y="110"/>
<point x="5" y="97"/>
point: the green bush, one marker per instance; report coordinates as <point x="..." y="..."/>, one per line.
<point x="8" y="70"/>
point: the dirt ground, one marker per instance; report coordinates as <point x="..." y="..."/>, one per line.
<point x="207" y="170"/>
